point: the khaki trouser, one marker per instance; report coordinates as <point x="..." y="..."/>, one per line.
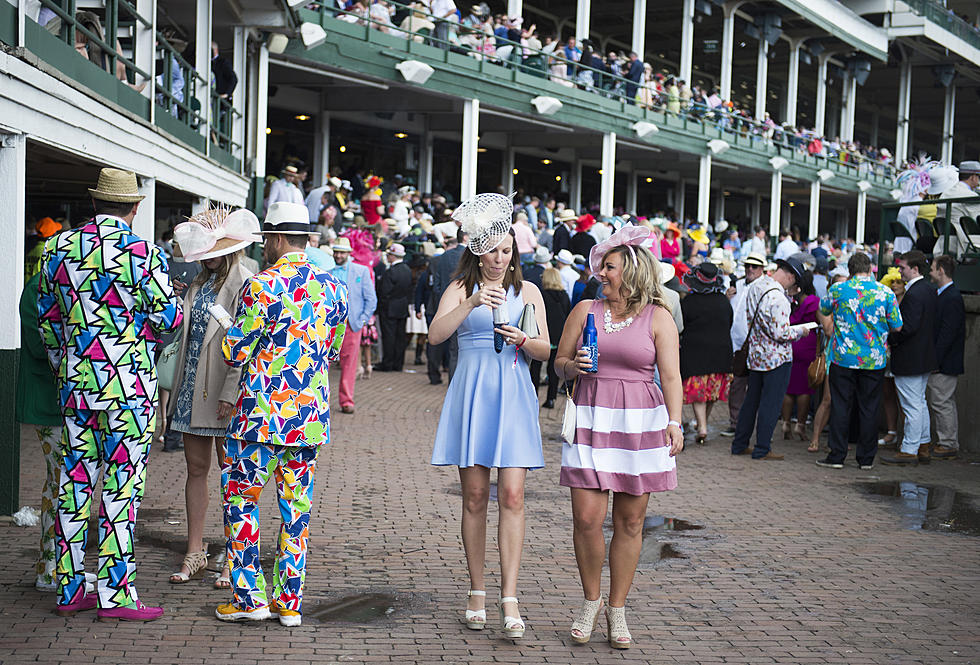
<point x="942" y="403"/>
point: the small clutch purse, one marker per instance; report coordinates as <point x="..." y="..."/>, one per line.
<point x="527" y="323"/>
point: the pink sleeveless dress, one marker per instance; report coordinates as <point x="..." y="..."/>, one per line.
<point x="620" y="440"/>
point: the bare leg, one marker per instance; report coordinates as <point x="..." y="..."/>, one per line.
<point x="197" y="453"/>
<point x="802" y="410"/>
<point x="787" y="413"/>
<point x="820" y="418"/>
<point x="510" y="531"/>
<point x="588" y="513"/>
<point x="475" y="482"/>
<point x="624" y="551"/>
<point x="701" y="415"/>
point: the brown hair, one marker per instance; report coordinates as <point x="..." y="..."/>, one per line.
<point x="551" y="280"/>
<point x="468" y="270"/>
<point x="221" y="274"/>
<point x="916" y="259"/>
<point x="946" y="264"/>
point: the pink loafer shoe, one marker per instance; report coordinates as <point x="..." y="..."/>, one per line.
<point x="137" y="612"/>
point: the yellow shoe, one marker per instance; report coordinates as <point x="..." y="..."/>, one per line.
<point x="231" y="612"/>
<point x="290" y="618"/>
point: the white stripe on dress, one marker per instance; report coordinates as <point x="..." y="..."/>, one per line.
<point x="615" y="460"/>
<point x="626" y="421"/>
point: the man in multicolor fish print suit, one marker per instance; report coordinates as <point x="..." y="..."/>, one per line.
<point x="290" y="324"/>
<point x="104" y="300"/>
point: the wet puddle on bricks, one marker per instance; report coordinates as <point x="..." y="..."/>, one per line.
<point x="356" y="608"/>
<point x="927" y="507"/>
<point x="660" y="538"/>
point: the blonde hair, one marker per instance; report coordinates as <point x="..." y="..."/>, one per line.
<point x="551" y="280"/>
<point x="641" y="279"/>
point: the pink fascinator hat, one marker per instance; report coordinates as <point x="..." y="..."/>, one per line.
<point x="630" y="236"/>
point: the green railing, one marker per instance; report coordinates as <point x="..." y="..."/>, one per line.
<point x="177" y="87"/>
<point x="936" y="13"/>
<point x="489" y="64"/>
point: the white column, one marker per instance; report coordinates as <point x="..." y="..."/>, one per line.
<point x="575" y="186"/>
<point x="761" y="79"/>
<point x="727" y="49"/>
<point x="515" y="7"/>
<point x="814" y="228"/>
<point x="904" y="102"/>
<point x="793" y="82"/>
<point x="144" y="224"/>
<point x="862" y="211"/>
<point x="949" y="117"/>
<point x="321" y="146"/>
<point x="425" y="162"/>
<point x="471" y="135"/>
<point x="704" y="189"/>
<point x="719" y="199"/>
<point x="507" y="170"/>
<point x="261" y="110"/>
<point x="639" y="27"/>
<point x="239" y="57"/>
<point x="607" y="184"/>
<point x="21" y="39"/>
<point x="821" y="111"/>
<point x="583" y="11"/>
<point x="687" y="41"/>
<point x="145" y="49"/>
<point x="13" y="190"/>
<point x="848" y="100"/>
<point x="776" y="203"/>
<point x="202" y="63"/>
<point x="631" y="193"/>
<point x="681" y="197"/>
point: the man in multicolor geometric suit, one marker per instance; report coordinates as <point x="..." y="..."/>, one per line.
<point x="104" y="299"/>
<point x="290" y="323"/>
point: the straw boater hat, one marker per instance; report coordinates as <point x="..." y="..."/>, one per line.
<point x="341" y="245"/>
<point x="117" y="186"/>
<point x="287" y="218"/>
<point x="755" y="259"/>
<point x="971" y="167"/>
<point x="216" y="232"/>
<point x="397" y="250"/>
<point x="486" y="219"/>
<point x="566" y="215"/>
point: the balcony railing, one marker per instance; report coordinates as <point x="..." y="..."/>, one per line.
<point x="108" y="39"/>
<point x="937" y="13"/>
<point x="494" y="58"/>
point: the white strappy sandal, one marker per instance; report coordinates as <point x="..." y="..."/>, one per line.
<point x="475" y="619"/>
<point x="513" y="626"/>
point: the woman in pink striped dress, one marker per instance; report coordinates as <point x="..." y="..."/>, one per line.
<point x="628" y="431"/>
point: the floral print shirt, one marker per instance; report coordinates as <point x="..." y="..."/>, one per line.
<point x="864" y="311"/>
<point x="771" y="338"/>
<point x="290" y="323"/>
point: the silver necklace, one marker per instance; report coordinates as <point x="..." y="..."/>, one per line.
<point x="610" y="327"/>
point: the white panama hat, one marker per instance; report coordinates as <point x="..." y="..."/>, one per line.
<point x="287" y="218"/>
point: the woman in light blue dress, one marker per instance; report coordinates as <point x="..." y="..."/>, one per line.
<point x="490" y="415"/>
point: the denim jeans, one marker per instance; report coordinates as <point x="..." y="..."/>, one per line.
<point x="760" y="410"/>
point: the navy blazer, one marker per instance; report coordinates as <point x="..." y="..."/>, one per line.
<point x="950" y="330"/>
<point x="913" y="347"/>
<point x="443" y="268"/>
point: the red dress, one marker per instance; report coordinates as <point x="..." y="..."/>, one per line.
<point x="371" y="210"/>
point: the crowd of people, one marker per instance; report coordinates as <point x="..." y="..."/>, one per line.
<point x="493" y="291"/>
<point x="624" y="75"/>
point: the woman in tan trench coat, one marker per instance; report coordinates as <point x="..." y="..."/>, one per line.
<point x="205" y="387"/>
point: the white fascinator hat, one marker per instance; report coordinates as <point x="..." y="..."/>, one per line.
<point x="216" y="232"/>
<point x="486" y="219"/>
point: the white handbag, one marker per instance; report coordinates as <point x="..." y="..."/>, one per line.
<point x="568" y="420"/>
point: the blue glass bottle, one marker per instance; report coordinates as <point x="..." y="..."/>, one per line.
<point x="590" y="342"/>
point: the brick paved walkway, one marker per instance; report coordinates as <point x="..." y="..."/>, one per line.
<point x="794" y="564"/>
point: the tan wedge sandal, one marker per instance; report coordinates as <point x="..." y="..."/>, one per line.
<point x="195" y="563"/>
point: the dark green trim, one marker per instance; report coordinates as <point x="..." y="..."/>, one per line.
<point x="178" y="129"/>
<point x="8" y="24"/>
<point x="9" y="435"/>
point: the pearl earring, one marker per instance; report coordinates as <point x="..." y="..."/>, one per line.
<point x="480" y="264"/>
<point x="512" y="268"/>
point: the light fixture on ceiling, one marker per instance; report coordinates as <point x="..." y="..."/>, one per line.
<point x="401" y="135"/>
<point x="546" y="162"/>
<point x="481" y="149"/>
<point x="268" y="130"/>
<point x="277" y="43"/>
<point x="600" y="171"/>
<point x="718" y="146"/>
<point x="644" y="128"/>
<point x="557" y="178"/>
<point x="546" y="105"/>
<point x="301" y="116"/>
<point x="515" y="171"/>
<point x="649" y="180"/>
<point x="415" y="71"/>
<point x="792" y="204"/>
<point x="343" y="148"/>
<point x="312" y="34"/>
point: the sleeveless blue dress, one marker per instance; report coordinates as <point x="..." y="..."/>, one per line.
<point x="490" y="414"/>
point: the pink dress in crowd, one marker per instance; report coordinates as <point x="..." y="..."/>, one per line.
<point x="804" y="349"/>
<point x="620" y="440"/>
<point x="670" y="250"/>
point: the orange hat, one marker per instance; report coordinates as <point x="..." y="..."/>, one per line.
<point x="47" y="227"/>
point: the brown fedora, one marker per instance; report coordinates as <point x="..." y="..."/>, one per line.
<point x="118" y="186"/>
